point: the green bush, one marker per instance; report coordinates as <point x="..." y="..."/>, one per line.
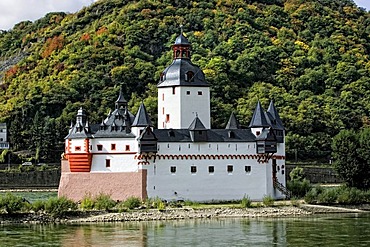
<point x="87" y="203"/>
<point x="11" y="203"/>
<point x="38" y="206"/>
<point x="299" y="188"/>
<point x="246" y="202"/>
<point x="328" y="196"/>
<point x="104" y="202"/>
<point x="312" y="196"/>
<point x="268" y="201"/>
<point x="57" y="207"/>
<point x="132" y="202"/>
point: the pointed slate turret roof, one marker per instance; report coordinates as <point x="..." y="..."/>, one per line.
<point x="142" y="118"/>
<point x="259" y="117"/>
<point x="182" y="40"/>
<point x="276" y="120"/>
<point x="120" y="100"/>
<point x="233" y="123"/>
<point x="197" y="124"/>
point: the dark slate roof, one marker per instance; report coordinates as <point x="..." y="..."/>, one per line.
<point x="197" y="124"/>
<point x="174" y="75"/>
<point x="259" y="117"/>
<point x="233" y="123"/>
<point x="79" y="132"/>
<point x="142" y="118"/>
<point x="121" y="101"/>
<point x="266" y="135"/>
<point x="213" y="135"/>
<point x="274" y="117"/>
<point x="182" y="40"/>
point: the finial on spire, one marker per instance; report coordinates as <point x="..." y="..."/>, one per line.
<point x="182" y="28"/>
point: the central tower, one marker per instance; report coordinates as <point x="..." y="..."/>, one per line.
<point x="183" y="92"/>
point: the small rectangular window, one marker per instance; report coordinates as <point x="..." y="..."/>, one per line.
<point x="1" y="139"/>
<point x="163" y="110"/>
<point x="200" y="93"/>
<point x="162" y="96"/>
<point x="193" y="169"/>
<point x="113" y="146"/>
<point x="230" y="168"/>
<point x="167" y="118"/>
<point x="127" y="148"/>
<point x="77" y="148"/>
<point x="173" y="169"/>
<point x="107" y="163"/>
<point x="248" y="169"/>
<point x="100" y="147"/>
<point x="187" y="92"/>
<point x="211" y="169"/>
<point x="173" y="90"/>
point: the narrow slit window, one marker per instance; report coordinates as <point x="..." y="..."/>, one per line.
<point x="193" y="169"/>
<point x="211" y="169"/>
<point x="230" y="168"/>
<point x="107" y="163"/>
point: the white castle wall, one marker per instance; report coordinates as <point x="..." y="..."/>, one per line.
<point x="121" y="160"/>
<point x="183" y="106"/>
<point x="205" y="186"/>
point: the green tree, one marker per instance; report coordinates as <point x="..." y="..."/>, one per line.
<point x="351" y="157"/>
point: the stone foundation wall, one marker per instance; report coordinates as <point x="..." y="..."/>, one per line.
<point x="322" y="175"/>
<point x="32" y="179"/>
<point x="119" y="186"/>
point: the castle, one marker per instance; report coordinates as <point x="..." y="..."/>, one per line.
<point x="181" y="159"/>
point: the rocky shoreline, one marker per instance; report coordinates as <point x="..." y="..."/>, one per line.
<point x="79" y="217"/>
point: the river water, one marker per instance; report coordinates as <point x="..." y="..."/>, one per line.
<point x="322" y="230"/>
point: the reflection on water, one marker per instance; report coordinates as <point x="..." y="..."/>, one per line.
<point x="327" y="230"/>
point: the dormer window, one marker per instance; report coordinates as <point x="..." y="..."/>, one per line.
<point x="231" y="134"/>
<point x="189" y="76"/>
<point x="163" y="76"/>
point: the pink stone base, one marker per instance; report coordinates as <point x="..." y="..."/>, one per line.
<point x="119" y="186"/>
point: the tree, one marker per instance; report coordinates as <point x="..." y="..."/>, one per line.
<point x="351" y="151"/>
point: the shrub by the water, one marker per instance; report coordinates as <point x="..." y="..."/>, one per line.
<point x="340" y="195"/>
<point x="132" y="202"/>
<point x="59" y="206"/>
<point x="104" y="202"/>
<point x="298" y="185"/>
<point x="38" y="206"/>
<point x="87" y="203"/>
<point x="268" y="201"/>
<point x="246" y="202"/>
<point x="11" y="203"/>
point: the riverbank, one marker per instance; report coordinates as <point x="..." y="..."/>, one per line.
<point x="80" y="217"/>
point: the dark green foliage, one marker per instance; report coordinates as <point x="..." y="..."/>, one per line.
<point x="132" y="202"/>
<point x="104" y="202"/>
<point x="38" y="206"/>
<point x="337" y="195"/>
<point x="58" y="207"/>
<point x="297" y="184"/>
<point x="351" y="153"/>
<point x="310" y="56"/>
<point x="11" y="203"/>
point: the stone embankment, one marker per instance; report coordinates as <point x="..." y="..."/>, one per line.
<point x="78" y="217"/>
<point x="189" y="213"/>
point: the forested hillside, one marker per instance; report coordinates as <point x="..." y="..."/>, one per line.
<point x="310" y="57"/>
